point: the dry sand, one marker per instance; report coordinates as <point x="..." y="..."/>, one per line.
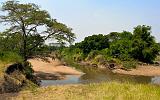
<point x="52" y="69"/>
<point x="141" y="70"/>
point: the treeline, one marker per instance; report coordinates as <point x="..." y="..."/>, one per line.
<point x="123" y="47"/>
<point x="14" y="43"/>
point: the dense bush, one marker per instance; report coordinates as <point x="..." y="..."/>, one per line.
<point x="10" y="57"/>
<point x="92" y="54"/>
<point x="144" y="47"/>
<point x="94" y="42"/>
<point x="122" y="48"/>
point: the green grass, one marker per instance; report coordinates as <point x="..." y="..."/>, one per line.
<point x="10" y="57"/>
<point x="102" y="91"/>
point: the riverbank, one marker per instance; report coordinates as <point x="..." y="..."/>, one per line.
<point x="50" y="69"/>
<point x="101" y="91"/>
<point x="140" y="70"/>
<point x="147" y="70"/>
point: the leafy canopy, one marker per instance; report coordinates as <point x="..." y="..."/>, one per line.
<point x="94" y="42"/>
<point x="34" y="25"/>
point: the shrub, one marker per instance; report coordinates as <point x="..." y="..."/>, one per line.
<point x="144" y="47"/>
<point x="100" y="59"/>
<point x="94" y="42"/>
<point x="130" y="64"/>
<point x="92" y="55"/>
<point x="10" y="57"/>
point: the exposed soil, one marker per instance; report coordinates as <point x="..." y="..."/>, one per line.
<point x="141" y="70"/>
<point x="51" y="69"/>
<point x="147" y="70"/>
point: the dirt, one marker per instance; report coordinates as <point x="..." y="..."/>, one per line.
<point x="52" y="69"/>
<point x="147" y="70"/>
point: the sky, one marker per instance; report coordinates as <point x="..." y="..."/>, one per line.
<point x="88" y="17"/>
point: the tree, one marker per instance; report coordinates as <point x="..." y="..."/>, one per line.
<point x="113" y="36"/>
<point x="94" y="42"/>
<point x="144" y="47"/>
<point x="10" y="42"/>
<point x="30" y="21"/>
<point x="121" y="47"/>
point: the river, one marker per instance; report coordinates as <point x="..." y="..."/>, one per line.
<point x="93" y="75"/>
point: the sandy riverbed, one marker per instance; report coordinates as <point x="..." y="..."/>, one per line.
<point x="52" y="69"/>
<point x="141" y="70"/>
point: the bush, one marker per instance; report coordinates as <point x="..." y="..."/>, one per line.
<point x="10" y="57"/>
<point x="130" y="64"/>
<point x="144" y="47"/>
<point x="100" y="59"/>
<point x="92" y="55"/>
<point x="94" y="42"/>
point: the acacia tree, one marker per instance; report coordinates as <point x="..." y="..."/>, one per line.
<point x="29" y="20"/>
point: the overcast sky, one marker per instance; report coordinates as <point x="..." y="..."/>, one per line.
<point x="88" y="17"/>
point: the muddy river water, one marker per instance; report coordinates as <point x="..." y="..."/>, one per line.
<point x="101" y="75"/>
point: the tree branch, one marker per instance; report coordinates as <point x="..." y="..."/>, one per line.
<point x="32" y="29"/>
<point x="43" y="40"/>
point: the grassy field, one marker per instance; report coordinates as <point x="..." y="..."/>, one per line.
<point x="102" y="91"/>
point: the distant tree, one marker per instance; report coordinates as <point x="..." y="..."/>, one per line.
<point x="10" y="42"/>
<point x="125" y="35"/>
<point x="33" y="23"/>
<point x="121" y="47"/>
<point x="113" y="36"/>
<point x="94" y="42"/>
<point x="144" y="47"/>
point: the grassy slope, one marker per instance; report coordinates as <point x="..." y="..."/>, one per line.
<point x="102" y="91"/>
<point x="16" y="78"/>
<point x="6" y="59"/>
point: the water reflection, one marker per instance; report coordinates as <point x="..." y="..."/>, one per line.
<point x="155" y="80"/>
<point x="107" y="76"/>
<point x="96" y="76"/>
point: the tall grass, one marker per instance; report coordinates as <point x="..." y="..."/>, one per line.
<point x="102" y="91"/>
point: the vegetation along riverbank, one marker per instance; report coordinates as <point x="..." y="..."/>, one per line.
<point x="27" y="59"/>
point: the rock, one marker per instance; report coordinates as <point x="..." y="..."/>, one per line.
<point x="157" y="63"/>
<point x="112" y="66"/>
<point x="94" y="65"/>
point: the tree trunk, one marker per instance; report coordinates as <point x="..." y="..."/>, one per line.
<point x="24" y="43"/>
<point x="24" y="49"/>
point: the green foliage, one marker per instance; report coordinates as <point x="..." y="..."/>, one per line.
<point x="122" y="48"/>
<point x="72" y="54"/>
<point x="28" y="71"/>
<point x="130" y="64"/>
<point x="94" y="42"/>
<point x="10" y="42"/>
<point x="144" y="47"/>
<point x="100" y="59"/>
<point x="113" y="36"/>
<point x="92" y="55"/>
<point x="33" y="25"/>
<point x="10" y="57"/>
